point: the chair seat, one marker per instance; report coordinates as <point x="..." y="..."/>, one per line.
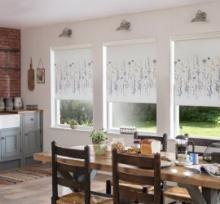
<point x="148" y="188"/>
<point x="78" y="198"/>
<point x="177" y="193"/>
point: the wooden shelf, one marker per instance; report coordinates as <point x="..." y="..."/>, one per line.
<point x="10" y="49"/>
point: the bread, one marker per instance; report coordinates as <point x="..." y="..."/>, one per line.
<point x="150" y="146"/>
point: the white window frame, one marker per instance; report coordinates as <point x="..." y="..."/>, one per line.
<point x="173" y="39"/>
<point x="55" y="111"/>
<point x="108" y="106"/>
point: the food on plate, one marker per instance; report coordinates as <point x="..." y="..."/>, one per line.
<point x="119" y="146"/>
<point x="133" y="150"/>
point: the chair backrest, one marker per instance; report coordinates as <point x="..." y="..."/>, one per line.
<point x="150" y="164"/>
<point x="162" y="139"/>
<point x="201" y="142"/>
<point x="65" y="175"/>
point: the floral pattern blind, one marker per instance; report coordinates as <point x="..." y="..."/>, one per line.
<point x="131" y="73"/>
<point x="197" y="72"/>
<point x="73" y="71"/>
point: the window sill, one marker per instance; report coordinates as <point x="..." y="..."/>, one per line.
<point x="117" y="132"/>
<point x="78" y="129"/>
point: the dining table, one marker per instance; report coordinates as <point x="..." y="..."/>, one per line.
<point x="203" y="188"/>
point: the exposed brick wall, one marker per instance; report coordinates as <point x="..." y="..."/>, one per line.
<point x="10" y="79"/>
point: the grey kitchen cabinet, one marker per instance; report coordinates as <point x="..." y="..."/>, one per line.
<point x="18" y="144"/>
<point x="10" y="144"/>
<point x="31" y="133"/>
<point x="32" y="143"/>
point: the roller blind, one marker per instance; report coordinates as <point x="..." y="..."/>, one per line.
<point x="73" y="74"/>
<point x="131" y="73"/>
<point x="197" y="72"/>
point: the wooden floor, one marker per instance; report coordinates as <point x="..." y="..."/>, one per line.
<point x="37" y="191"/>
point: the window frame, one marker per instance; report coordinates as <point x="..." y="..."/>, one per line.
<point x="173" y="40"/>
<point x="55" y="110"/>
<point x="107" y="106"/>
<point x="112" y="129"/>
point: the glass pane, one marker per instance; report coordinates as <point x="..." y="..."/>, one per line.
<point x="80" y="111"/>
<point x="200" y="121"/>
<point x="140" y="115"/>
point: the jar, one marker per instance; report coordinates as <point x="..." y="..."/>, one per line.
<point x="18" y="103"/>
<point x="9" y="104"/>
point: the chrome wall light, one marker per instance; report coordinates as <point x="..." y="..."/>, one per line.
<point x="124" y="25"/>
<point x="67" y="32"/>
<point x="201" y="16"/>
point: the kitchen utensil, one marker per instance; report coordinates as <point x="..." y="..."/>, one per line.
<point x="31" y="77"/>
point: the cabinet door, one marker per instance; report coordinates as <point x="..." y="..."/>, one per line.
<point x="32" y="142"/>
<point x="31" y="121"/>
<point x="10" y="143"/>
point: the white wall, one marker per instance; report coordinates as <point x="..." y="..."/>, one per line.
<point x="36" y="43"/>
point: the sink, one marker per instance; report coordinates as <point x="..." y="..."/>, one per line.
<point x="9" y="121"/>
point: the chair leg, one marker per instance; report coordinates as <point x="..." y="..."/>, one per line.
<point x="108" y="187"/>
<point x="53" y="200"/>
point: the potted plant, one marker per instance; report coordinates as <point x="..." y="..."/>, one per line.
<point x="99" y="141"/>
<point x="73" y="123"/>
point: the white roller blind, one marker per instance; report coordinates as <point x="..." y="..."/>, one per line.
<point x="197" y="72"/>
<point x="131" y="73"/>
<point x="73" y="74"/>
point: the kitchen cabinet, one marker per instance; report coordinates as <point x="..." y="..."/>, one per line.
<point x="10" y="144"/>
<point x="31" y="133"/>
<point x="18" y="144"/>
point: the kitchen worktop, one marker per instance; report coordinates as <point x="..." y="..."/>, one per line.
<point x="17" y="111"/>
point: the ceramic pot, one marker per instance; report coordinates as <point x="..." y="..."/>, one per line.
<point x="18" y="103"/>
<point x="9" y="104"/>
<point x="100" y="149"/>
<point x="2" y="104"/>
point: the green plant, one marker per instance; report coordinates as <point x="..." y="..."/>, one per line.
<point x="73" y="123"/>
<point x="98" y="136"/>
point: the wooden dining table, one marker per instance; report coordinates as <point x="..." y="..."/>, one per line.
<point x="179" y="174"/>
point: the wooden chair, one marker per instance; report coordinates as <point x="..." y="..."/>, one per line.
<point x="63" y="174"/>
<point x="162" y="139"/>
<point x="137" y="139"/>
<point x="202" y="142"/>
<point x="150" y="163"/>
<point x="179" y="193"/>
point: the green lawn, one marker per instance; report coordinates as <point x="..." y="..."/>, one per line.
<point x="201" y="129"/>
<point x="146" y="126"/>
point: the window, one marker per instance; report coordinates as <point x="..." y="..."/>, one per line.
<point x="140" y="115"/>
<point x="78" y="110"/>
<point x="199" y="121"/>
<point x="131" y="85"/>
<point x="197" y="87"/>
<point x="73" y="70"/>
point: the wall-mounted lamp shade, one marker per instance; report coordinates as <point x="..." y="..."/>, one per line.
<point x="66" y="33"/>
<point x="124" y="25"/>
<point x="201" y="16"/>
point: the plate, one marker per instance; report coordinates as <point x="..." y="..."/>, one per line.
<point x="165" y="163"/>
<point x="178" y="163"/>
